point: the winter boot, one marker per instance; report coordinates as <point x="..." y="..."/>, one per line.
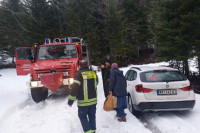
<point x="122" y="119"/>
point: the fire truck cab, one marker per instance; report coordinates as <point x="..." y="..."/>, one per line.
<point x="51" y="65"/>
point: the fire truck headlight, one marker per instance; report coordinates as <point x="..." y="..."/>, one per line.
<point x="71" y="80"/>
<point x="34" y="84"/>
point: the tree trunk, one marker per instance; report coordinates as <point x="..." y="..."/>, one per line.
<point x="199" y="63"/>
<point x="186" y="68"/>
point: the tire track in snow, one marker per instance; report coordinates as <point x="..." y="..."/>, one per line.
<point x="167" y="122"/>
<point x="144" y="120"/>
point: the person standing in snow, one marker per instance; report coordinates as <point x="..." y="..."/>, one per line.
<point x="105" y="70"/>
<point x="118" y="88"/>
<point x="84" y="89"/>
<point x="102" y="66"/>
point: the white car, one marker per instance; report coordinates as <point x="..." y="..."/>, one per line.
<point x="158" y="89"/>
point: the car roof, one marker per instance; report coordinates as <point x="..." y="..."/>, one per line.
<point x="152" y="68"/>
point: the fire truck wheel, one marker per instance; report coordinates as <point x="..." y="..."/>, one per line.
<point x="39" y="94"/>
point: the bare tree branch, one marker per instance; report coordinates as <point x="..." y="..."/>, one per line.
<point x="14" y="16"/>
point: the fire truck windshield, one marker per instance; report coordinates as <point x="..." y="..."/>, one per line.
<point x="57" y="52"/>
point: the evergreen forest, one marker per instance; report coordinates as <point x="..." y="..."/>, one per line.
<point x="122" y="31"/>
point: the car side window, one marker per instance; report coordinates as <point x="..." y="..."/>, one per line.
<point x="127" y="73"/>
<point x="132" y="75"/>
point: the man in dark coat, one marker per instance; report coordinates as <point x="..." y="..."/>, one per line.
<point x="105" y="71"/>
<point x="102" y="66"/>
<point x="84" y="89"/>
<point x="106" y="79"/>
<point x="118" y="88"/>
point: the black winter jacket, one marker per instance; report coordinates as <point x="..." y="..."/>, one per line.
<point x="118" y="83"/>
<point x="84" y="88"/>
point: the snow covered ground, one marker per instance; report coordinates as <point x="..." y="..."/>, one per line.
<point x="19" y="114"/>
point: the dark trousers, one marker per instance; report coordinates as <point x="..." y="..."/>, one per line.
<point x="106" y="88"/>
<point x="87" y="116"/>
<point x="121" y="105"/>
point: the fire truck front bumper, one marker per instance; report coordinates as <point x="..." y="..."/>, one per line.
<point x="35" y="84"/>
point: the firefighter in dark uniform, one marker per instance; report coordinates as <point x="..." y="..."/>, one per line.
<point x="84" y="88"/>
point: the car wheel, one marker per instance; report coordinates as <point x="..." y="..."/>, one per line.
<point x="39" y="94"/>
<point x="131" y="108"/>
<point x="130" y="105"/>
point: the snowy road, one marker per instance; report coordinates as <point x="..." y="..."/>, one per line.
<point x="19" y="114"/>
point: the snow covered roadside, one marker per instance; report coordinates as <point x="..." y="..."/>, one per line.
<point x="107" y="121"/>
<point x="19" y="114"/>
<point x="177" y="121"/>
<point x="13" y="90"/>
<point x="53" y="115"/>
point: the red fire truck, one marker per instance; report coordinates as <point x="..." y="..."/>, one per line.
<point x="51" y="65"/>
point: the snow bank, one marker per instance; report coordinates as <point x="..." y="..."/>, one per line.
<point x="19" y="114"/>
<point x="5" y="59"/>
<point x="13" y="89"/>
<point x="193" y="63"/>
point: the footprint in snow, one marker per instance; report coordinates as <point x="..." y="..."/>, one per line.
<point x="105" y="126"/>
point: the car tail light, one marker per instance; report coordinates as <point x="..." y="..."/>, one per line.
<point x="187" y="88"/>
<point x="143" y="102"/>
<point x="140" y="88"/>
<point x="191" y="100"/>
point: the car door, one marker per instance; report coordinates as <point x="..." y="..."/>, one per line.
<point x="127" y="79"/>
<point x="131" y="77"/>
<point x="131" y="82"/>
<point x="24" y="60"/>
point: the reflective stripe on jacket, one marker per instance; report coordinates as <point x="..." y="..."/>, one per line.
<point x="84" y="88"/>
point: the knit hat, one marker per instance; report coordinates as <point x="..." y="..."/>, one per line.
<point x="102" y="63"/>
<point x="114" y="65"/>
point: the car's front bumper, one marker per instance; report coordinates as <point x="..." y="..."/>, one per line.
<point x="165" y="106"/>
<point x="67" y="81"/>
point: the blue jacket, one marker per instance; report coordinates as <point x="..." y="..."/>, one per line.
<point x="117" y="83"/>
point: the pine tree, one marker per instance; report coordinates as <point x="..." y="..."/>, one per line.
<point x="114" y="35"/>
<point x="12" y="24"/>
<point x="41" y="24"/>
<point x="99" y="14"/>
<point x="176" y="30"/>
<point x="79" y="21"/>
<point x="136" y="26"/>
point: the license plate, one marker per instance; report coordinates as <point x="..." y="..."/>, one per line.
<point x="167" y="92"/>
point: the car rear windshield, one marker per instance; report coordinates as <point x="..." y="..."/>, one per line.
<point x="162" y="76"/>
